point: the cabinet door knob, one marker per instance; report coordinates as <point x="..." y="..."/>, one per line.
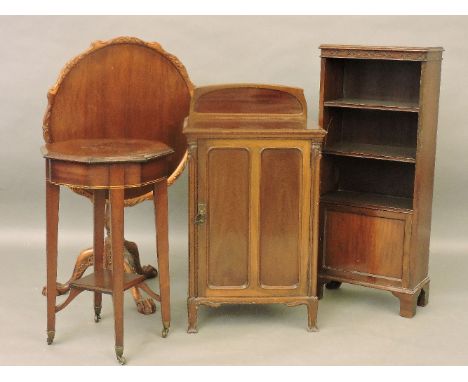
<point x="201" y="215"/>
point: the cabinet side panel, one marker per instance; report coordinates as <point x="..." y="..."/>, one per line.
<point x="424" y="177"/>
<point x="193" y="237"/>
<point x="366" y="244"/>
<point x="228" y="217"/>
<point x="280" y="217"/>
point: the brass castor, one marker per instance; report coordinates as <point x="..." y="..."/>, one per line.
<point x="333" y="284"/>
<point x="119" y="354"/>
<point x="165" y="332"/>
<point x="50" y="337"/>
<point x="97" y="314"/>
<point x="121" y="359"/>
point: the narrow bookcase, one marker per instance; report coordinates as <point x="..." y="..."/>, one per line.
<point x="379" y="106"/>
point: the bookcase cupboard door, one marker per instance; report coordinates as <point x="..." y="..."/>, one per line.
<point x="370" y="244"/>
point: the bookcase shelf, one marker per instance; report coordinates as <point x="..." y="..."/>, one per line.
<point x="365" y="150"/>
<point x="379" y="107"/>
<point x="374" y="104"/>
<point x="369" y="200"/>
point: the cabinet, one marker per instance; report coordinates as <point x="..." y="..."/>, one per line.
<point x="253" y="189"/>
<point x="379" y="106"/>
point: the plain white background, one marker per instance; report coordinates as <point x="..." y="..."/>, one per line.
<point x="358" y="326"/>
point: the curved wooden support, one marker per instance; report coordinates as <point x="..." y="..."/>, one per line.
<point x="148" y="291"/>
<point x="84" y="260"/>
<point x="132" y="264"/>
<point x="132" y="255"/>
<point x="73" y="293"/>
<point x="144" y="305"/>
<point x="132" y="261"/>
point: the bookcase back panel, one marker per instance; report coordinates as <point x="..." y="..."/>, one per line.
<point x="375" y="176"/>
<point x="381" y="80"/>
<point x="373" y="127"/>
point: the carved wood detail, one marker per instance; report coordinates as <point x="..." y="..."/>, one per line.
<point x="380" y="54"/>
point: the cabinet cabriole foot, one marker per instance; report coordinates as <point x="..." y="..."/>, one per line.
<point x="192" y="316"/>
<point x="312" y="308"/>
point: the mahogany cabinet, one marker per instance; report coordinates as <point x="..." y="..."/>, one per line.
<point x="379" y="106"/>
<point x="253" y="189"/>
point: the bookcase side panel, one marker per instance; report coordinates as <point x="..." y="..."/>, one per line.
<point x="424" y="174"/>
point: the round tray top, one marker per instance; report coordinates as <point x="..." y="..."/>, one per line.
<point x="106" y="150"/>
<point x="122" y="88"/>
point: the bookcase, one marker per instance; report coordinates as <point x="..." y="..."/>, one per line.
<point x="379" y="106"/>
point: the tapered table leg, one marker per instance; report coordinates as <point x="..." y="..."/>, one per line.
<point x="52" y="210"/>
<point x="99" y="203"/>
<point x="162" y="245"/>
<point x="117" y="236"/>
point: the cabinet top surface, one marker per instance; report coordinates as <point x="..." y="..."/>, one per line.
<point x="106" y="150"/>
<point x="396" y="53"/>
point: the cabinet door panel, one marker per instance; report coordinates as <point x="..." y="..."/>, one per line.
<point x="280" y="217"/>
<point x="372" y="245"/>
<point x="228" y="217"/>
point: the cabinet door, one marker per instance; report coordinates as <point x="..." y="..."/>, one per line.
<point x="224" y="240"/>
<point x="281" y="198"/>
<point x="255" y="239"/>
<point x="364" y="243"/>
